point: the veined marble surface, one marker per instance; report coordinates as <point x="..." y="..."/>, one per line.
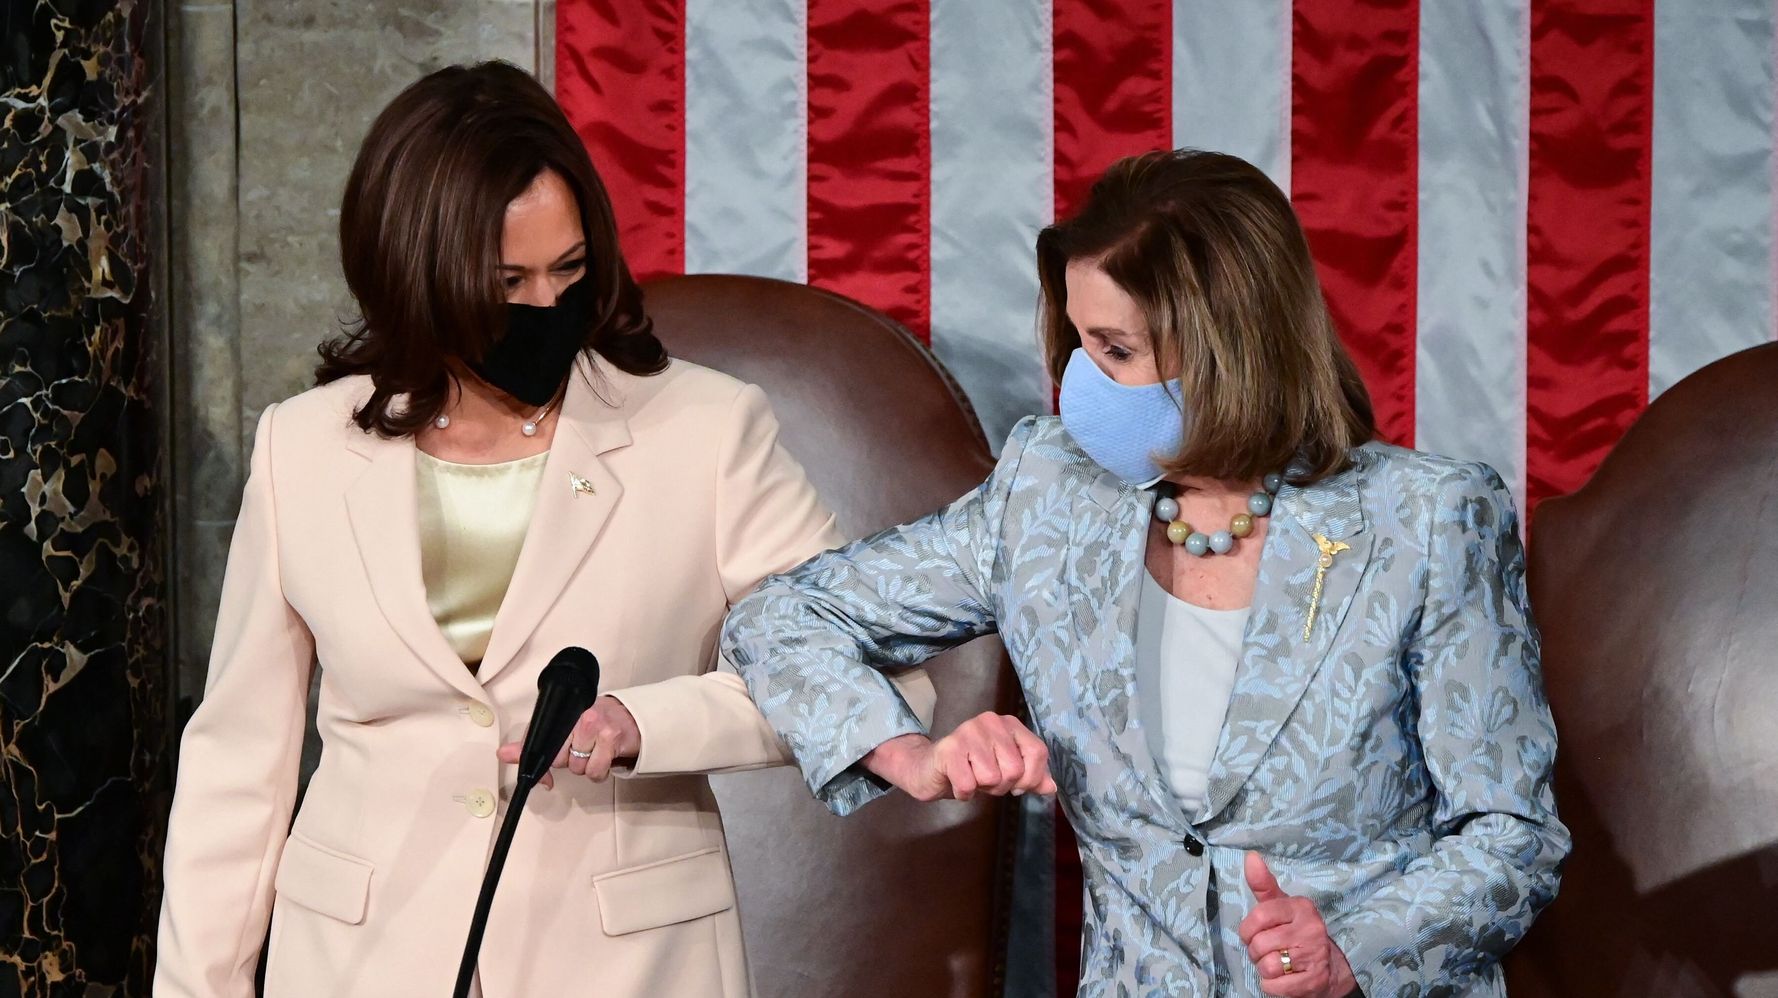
<point x="82" y="632"/>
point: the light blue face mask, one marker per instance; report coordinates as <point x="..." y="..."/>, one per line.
<point x="1122" y="427"/>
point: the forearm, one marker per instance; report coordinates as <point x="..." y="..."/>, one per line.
<point x="820" y="684"/>
<point x="813" y="644"/>
<point x="1455" y="911"/>
<point x="236" y="793"/>
<point x="699" y="724"/>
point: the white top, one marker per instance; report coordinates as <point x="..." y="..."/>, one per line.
<point x="1185" y="672"/>
<point x="473" y="521"/>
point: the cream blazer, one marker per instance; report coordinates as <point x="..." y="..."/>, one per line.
<point x="619" y="888"/>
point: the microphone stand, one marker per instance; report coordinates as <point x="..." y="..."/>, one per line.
<point x="490" y="880"/>
<point x="566" y="687"/>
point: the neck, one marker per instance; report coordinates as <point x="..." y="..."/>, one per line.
<point x="476" y="402"/>
<point x="486" y="424"/>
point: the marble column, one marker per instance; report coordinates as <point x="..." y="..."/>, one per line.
<point x="82" y="631"/>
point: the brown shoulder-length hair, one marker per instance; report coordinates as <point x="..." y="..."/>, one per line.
<point x="1212" y="253"/>
<point x="420" y="230"/>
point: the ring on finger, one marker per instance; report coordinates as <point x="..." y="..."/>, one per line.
<point x="1284" y="961"/>
<point x="578" y="754"/>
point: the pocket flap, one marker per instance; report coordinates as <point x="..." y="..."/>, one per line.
<point x="324" y="880"/>
<point x="672" y="890"/>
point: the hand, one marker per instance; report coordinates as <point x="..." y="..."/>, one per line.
<point x="1282" y="922"/>
<point x="606" y="729"/>
<point x="989" y="753"/>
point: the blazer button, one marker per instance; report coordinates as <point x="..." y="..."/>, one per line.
<point x="479" y="803"/>
<point x="1194" y="846"/>
<point x="482" y="715"/>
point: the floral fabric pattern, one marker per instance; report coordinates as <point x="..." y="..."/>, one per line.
<point x="1394" y="765"/>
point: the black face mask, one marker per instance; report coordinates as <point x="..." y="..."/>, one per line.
<point x="534" y="357"/>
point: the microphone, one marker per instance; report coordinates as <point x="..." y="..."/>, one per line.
<point x="567" y="686"/>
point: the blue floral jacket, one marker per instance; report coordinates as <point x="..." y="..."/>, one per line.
<point x="1390" y="757"/>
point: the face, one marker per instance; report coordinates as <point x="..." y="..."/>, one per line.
<point x="542" y="247"/>
<point x="1112" y="329"/>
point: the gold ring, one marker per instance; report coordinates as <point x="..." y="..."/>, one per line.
<point x="1284" y="958"/>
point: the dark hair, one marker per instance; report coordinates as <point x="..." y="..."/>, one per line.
<point x="420" y="229"/>
<point x="1212" y="253"/>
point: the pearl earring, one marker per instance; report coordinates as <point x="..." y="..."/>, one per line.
<point x="442" y="421"/>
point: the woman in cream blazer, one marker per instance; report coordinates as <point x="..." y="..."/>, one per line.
<point x="661" y="499"/>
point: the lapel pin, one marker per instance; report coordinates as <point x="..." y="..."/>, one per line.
<point x="1322" y="564"/>
<point x="580" y="485"/>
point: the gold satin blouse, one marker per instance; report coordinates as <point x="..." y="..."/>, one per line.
<point x="473" y="519"/>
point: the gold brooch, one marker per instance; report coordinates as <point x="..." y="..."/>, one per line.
<point x="1325" y="562"/>
<point x="580" y="485"/>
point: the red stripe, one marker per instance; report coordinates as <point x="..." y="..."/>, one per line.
<point x="1113" y="88"/>
<point x="1355" y="182"/>
<point x="1068" y="889"/>
<point x="620" y="76"/>
<point x="1592" y="74"/>
<point x="870" y="156"/>
<point x="1113" y="83"/>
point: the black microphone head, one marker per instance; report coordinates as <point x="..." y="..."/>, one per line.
<point x="567" y="686"/>
<point x="575" y="668"/>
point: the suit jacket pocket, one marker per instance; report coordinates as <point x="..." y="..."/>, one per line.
<point x="324" y="880"/>
<point x="672" y="890"/>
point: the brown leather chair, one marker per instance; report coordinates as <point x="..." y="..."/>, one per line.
<point x="1656" y="587"/>
<point x="902" y="900"/>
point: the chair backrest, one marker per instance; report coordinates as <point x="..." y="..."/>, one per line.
<point x="1656" y="587"/>
<point x="903" y="898"/>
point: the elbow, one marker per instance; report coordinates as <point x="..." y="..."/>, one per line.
<point x="745" y="627"/>
<point x="754" y="637"/>
<point x="1538" y="851"/>
<point x="1558" y="845"/>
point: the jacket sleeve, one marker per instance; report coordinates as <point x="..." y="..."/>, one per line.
<point x="768" y="519"/>
<point x="813" y="644"/>
<point x="238" y="764"/>
<point x="1489" y="746"/>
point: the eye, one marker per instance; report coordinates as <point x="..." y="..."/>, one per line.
<point x="512" y="282"/>
<point x="571" y="266"/>
<point x="1117" y="353"/>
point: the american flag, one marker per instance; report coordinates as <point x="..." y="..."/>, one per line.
<point x="1530" y="216"/>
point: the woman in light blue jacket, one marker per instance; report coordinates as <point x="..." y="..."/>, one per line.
<point x="1285" y="677"/>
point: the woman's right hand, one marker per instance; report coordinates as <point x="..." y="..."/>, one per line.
<point x="990" y="753"/>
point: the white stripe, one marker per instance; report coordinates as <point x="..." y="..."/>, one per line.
<point x="1474" y="153"/>
<point x="1231" y="81"/>
<point x="991" y="115"/>
<point x="1710" y="216"/>
<point x="746" y="138"/>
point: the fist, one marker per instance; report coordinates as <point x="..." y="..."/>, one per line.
<point x="604" y="734"/>
<point x="990" y="753"/>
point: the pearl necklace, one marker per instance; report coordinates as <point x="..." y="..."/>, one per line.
<point x="528" y="428"/>
<point x="1198" y="543"/>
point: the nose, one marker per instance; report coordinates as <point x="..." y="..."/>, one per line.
<point x="539" y="291"/>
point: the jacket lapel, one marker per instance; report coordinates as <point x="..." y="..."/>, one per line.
<point x="575" y="498"/>
<point x="1284" y="645"/>
<point x="1106" y="559"/>
<point x="382" y="505"/>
